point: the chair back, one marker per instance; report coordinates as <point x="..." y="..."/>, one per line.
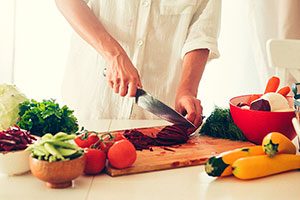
<point x="284" y="56"/>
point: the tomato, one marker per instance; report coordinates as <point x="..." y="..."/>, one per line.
<point x="119" y="136"/>
<point x="95" y="161"/>
<point x="122" y="154"/>
<point x="109" y="140"/>
<point x="86" y="139"/>
<point x="105" y="146"/>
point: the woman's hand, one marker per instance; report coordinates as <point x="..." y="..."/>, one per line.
<point x="189" y="106"/>
<point x="186" y="101"/>
<point x="122" y="76"/>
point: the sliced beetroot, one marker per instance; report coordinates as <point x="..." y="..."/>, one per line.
<point x="139" y="140"/>
<point x="7" y="147"/>
<point x="4" y="141"/>
<point x="169" y="135"/>
<point x="15" y="138"/>
<point x="20" y="146"/>
<point x="261" y="105"/>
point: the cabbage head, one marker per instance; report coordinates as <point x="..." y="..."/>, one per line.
<point x="10" y="98"/>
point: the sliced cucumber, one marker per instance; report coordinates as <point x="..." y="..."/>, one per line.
<point x="66" y="152"/>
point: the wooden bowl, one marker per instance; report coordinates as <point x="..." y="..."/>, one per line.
<point x="57" y="174"/>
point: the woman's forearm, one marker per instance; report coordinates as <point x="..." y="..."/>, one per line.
<point x="193" y="67"/>
<point x="121" y="75"/>
<point x="86" y="24"/>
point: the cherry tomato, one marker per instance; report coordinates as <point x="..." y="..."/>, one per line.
<point x="119" y="136"/>
<point x="108" y="140"/>
<point x="95" y="161"/>
<point x="122" y="154"/>
<point x="104" y="146"/>
<point x="86" y="139"/>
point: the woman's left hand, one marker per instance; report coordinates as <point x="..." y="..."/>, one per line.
<point x="189" y="106"/>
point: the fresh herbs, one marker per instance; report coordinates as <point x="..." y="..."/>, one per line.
<point x="46" y="117"/>
<point x="220" y="124"/>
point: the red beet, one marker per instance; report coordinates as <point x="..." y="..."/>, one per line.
<point x="139" y="140"/>
<point x="15" y="138"/>
<point x="169" y="135"/>
<point x="260" y="104"/>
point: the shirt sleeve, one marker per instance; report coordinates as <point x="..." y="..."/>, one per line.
<point x="204" y="29"/>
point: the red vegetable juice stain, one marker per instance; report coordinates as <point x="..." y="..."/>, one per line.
<point x="203" y="159"/>
<point x="175" y="164"/>
<point x="161" y="153"/>
<point x="195" y="161"/>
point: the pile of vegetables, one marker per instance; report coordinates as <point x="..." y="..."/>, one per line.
<point x="99" y="148"/>
<point x="220" y="124"/>
<point x="275" y="155"/>
<point x="10" y="97"/>
<point x="59" y="147"/>
<point x="14" y="139"/>
<point x="46" y="117"/>
<point x="273" y="99"/>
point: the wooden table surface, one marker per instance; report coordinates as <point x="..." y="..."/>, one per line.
<point x="190" y="183"/>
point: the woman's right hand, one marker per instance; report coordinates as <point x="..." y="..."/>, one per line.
<point x="122" y="76"/>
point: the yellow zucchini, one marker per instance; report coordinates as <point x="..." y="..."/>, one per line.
<point x="220" y="165"/>
<point x="262" y="165"/>
<point x="276" y="142"/>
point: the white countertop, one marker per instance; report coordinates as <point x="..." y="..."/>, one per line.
<point x="189" y="183"/>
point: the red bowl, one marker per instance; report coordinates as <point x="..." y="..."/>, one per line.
<point x="255" y="125"/>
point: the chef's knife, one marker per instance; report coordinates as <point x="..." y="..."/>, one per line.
<point x="156" y="107"/>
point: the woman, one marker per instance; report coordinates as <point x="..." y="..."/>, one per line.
<point x="160" y="45"/>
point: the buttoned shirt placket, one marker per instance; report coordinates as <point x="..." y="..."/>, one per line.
<point x="141" y="34"/>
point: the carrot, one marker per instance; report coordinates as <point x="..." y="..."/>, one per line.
<point x="253" y="97"/>
<point x="272" y="85"/>
<point x="284" y="91"/>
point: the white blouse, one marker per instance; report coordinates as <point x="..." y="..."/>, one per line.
<point x="156" y="34"/>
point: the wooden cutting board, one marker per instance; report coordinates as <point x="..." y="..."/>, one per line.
<point x="195" y="152"/>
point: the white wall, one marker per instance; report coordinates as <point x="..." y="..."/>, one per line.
<point x="42" y="44"/>
<point x="234" y="73"/>
<point x="6" y="40"/>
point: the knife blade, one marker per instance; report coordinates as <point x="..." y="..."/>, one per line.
<point x="158" y="108"/>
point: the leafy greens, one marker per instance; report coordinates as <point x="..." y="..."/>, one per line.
<point x="46" y="117"/>
<point x="220" y="124"/>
